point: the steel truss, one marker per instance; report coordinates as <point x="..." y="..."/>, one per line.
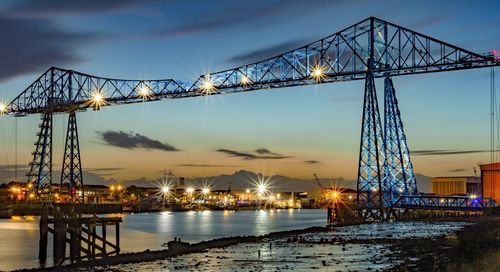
<point x="343" y="56"/>
<point x="399" y="177"/>
<point x="371" y="157"/>
<point x="40" y="173"/>
<point x="366" y="50"/>
<point x="463" y="203"/>
<point x="71" y="174"/>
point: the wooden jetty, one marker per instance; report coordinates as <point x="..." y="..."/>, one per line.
<point x="86" y="236"/>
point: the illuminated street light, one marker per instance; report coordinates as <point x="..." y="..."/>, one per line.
<point x="205" y="191"/>
<point x="261" y="189"/>
<point x="247" y="191"/>
<point x="190" y="190"/>
<point x="165" y="189"/>
<point x="97" y="99"/>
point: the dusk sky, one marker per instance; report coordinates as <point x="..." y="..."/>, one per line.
<point x="294" y="131"/>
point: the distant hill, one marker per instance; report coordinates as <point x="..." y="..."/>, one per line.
<point x="243" y="179"/>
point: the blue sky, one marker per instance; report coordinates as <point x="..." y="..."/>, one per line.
<point x="316" y="127"/>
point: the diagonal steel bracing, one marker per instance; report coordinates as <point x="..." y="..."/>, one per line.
<point x="40" y="173"/>
<point x="399" y="177"/>
<point x="371" y="156"/>
<point x="71" y="174"/>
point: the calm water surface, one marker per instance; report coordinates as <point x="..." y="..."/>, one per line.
<point x="19" y="236"/>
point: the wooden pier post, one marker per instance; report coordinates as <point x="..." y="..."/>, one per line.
<point x="117" y="225"/>
<point x="59" y="245"/>
<point x="44" y="234"/>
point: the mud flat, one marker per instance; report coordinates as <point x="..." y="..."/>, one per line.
<point x="455" y="244"/>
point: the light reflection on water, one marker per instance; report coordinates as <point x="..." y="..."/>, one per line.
<point x="19" y="236"/>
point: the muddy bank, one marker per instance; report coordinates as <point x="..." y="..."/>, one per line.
<point x="443" y="244"/>
<point x="474" y="248"/>
<point x="178" y="247"/>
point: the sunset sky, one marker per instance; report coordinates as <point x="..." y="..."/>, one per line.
<point x="292" y="131"/>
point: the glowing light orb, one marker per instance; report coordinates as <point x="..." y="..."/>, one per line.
<point x="3" y="108"/>
<point x="165" y="189"/>
<point x="144" y="92"/>
<point x="261" y="188"/>
<point x="207" y="85"/>
<point x="190" y="190"/>
<point x="318" y="73"/>
<point x="97" y="99"/>
<point x="245" y="80"/>
<point x="205" y="191"/>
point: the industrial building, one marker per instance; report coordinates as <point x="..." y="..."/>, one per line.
<point x="490" y="178"/>
<point x="456" y="185"/>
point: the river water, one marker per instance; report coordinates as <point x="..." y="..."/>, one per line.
<point x="19" y="236"/>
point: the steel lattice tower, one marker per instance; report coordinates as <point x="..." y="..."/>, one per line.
<point x="398" y="170"/>
<point x="40" y="173"/>
<point x="71" y="174"/>
<point x="371" y="156"/>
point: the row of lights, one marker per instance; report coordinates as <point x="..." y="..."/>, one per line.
<point x="207" y="85"/>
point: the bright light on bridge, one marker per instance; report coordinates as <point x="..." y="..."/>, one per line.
<point x="245" y="80"/>
<point x="97" y="99"/>
<point x="3" y="108"/>
<point x="144" y="92"/>
<point x="318" y="73"/>
<point x="207" y="85"/>
<point x="190" y="190"/>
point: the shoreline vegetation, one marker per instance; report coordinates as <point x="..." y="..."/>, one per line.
<point x="474" y="248"/>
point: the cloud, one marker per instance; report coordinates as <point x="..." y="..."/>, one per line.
<point x="33" y="45"/>
<point x="206" y="165"/>
<point x="134" y="140"/>
<point x="231" y="14"/>
<point x="51" y="7"/>
<point x="457" y="170"/>
<point x="311" y="161"/>
<point x="265" y="151"/>
<point x="267" y="52"/>
<point x="249" y="156"/>
<point x="445" y="152"/>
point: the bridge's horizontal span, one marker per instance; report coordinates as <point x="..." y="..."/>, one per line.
<point x="457" y="203"/>
<point x="373" y="44"/>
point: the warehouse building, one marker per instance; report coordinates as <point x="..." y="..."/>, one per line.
<point x="456" y="186"/>
<point x="490" y="177"/>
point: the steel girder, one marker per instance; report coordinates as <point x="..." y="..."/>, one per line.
<point x="343" y="56"/>
<point x="72" y="91"/>
<point x="464" y="203"/>
<point x="71" y="174"/>
<point x="399" y="177"/>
